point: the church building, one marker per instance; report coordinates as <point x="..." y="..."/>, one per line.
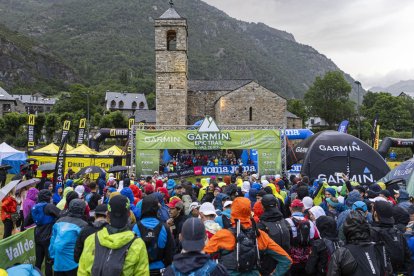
<point x="180" y="101"/>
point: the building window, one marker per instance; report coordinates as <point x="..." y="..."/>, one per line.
<point x="121" y="104"/>
<point x="141" y="105"/>
<point x="134" y="105"/>
<point x="6" y="108"/>
<point x="250" y="113"/>
<point x="113" y="104"/>
<point x="171" y="87"/>
<point x="171" y="40"/>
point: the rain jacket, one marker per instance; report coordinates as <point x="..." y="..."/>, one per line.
<point x="62" y="202"/>
<point x="136" y="261"/>
<point x="64" y="235"/>
<point x="101" y="181"/>
<point x="8" y="207"/>
<point x="30" y="201"/>
<point x="56" y="197"/>
<point x="225" y="240"/>
<point x="219" y="219"/>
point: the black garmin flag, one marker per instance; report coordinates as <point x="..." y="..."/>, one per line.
<point x="59" y="175"/>
<point x="81" y="132"/>
<point x="31" y="121"/>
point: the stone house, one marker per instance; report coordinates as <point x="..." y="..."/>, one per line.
<point x="180" y="101"/>
<point x="7" y="103"/>
<point x="127" y="103"/>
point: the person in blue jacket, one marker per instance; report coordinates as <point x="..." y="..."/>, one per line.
<point x="101" y="181"/>
<point x="224" y="219"/>
<point x="57" y="196"/>
<point x="65" y="232"/>
<point x="155" y="234"/>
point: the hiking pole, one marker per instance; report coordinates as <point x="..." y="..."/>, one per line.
<point x="237" y="241"/>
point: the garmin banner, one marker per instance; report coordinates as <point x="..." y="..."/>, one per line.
<point x="59" y="175"/>
<point x="18" y="249"/>
<point x="31" y="120"/>
<point x="81" y="132"/>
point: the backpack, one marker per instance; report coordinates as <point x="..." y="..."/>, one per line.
<point x="150" y="237"/>
<point x="109" y="261"/>
<point x="370" y="258"/>
<point x="246" y="251"/>
<point x="330" y="247"/>
<point x="394" y="244"/>
<point x="279" y="232"/>
<point x="206" y="269"/>
<point x="39" y="216"/>
<point x="226" y="222"/>
<point x="303" y="227"/>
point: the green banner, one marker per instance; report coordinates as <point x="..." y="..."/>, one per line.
<point x="270" y="162"/>
<point x="193" y="139"/>
<point x="18" y="248"/>
<point x="147" y="161"/>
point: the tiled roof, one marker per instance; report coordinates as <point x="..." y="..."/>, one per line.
<point x="171" y="13"/>
<point x="149" y="116"/>
<point x="291" y="115"/>
<point x="126" y="98"/>
<point x="5" y="96"/>
<point x="35" y="99"/>
<point x="216" y="85"/>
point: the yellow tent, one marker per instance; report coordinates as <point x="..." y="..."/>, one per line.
<point x="47" y="154"/>
<point x="81" y="150"/>
<point x="108" y="158"/>
<point x="80" y="157"/>
<point x="49" y="149"/>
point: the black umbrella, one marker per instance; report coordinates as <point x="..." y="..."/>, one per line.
<point x="5" y="167"/>
<point x="90" y="169"/>
<point x="118" y="169"/>
<point x="47" y="167"/>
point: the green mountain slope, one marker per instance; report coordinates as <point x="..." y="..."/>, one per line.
<point x="103" y="38"/>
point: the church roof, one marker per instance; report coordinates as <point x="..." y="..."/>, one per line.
<point x="216" y="85"/>
<point x="171" y="13"/>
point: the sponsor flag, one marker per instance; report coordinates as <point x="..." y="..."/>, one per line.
<point x="81" y="132"/>
<point x="131" y="122"/>
<point x="31" y="121"/>
<point x="253" y="157"/>
<point x="374" y="129"/>
<point x="166" y="157"/>
<point x="343" y="126"/>
<point x="376" y="139"/>
<point x="245" y="157"/>
<point x="59" y="174"/>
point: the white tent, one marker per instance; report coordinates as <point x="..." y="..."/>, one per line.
<point x="6" y="150"/>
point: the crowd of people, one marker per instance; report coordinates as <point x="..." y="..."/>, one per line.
<point x="231" y="225"/>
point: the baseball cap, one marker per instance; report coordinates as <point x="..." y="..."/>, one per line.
<point x="101" y="209"/>
<point x="176" y="203"/>
<point x="384" y="211"/>
<point x="193" y="235"/>
<point x="297" y="203"/>
<point x="194" y="205"/>
<point x="227" y="203"/>
<point x="359" y="205"/>
<point x="118" y="209"/>
<point x="207" y="208"/>
<point x="269" y="200"/>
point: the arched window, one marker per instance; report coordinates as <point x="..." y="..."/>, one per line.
<point x="171" y="40"/>
<point x="141" y="105"/>
<point x="113" y="104"/>
<point x="121" y="104"/>
<point x="134" y="105"/>
<point x="250" y="113"/>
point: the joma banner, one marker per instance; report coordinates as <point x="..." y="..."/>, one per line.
<point x="18" y="249"/>
<point x="31" y="120"/>
<point x="81" y="132"/>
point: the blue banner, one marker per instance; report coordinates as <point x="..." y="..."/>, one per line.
<point x="298" y="134"/>
<point x="254" y="157"/>
<point x="166" y="157"/>
<point x="343" y="126"/>
<point x="244" y="157"/>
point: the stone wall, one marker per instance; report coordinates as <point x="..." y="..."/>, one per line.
<point x="201" y="103"/>
<point x="8" y="106"/>
<point x="294" y="122"/>
<point x="268" y="108"/>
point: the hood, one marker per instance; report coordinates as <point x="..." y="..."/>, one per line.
<point x="353" y="197"/>
<point x="258" y="209"/>
<point x="171" y="184"/>
<point x="46" y="185"/>
<point x="187" y="262"/>
<point x="102" y="175"/>
<point x="127" y="192"/>
<point x="327" y="227"/>
<point x="240" y="210"/>
<point x="114" y="241"/>
<point x="136" y="191"/>
<point x="159" y="184"/>
<point x="149" y="206"/>
<point x="317" y="211"/>
<point x="218" y="202"/>
<point x="356" y="228"/>
<point x="32" y="194"/>
<point x="69" y="183"/>
<point x="272" y="214"/>
<point x="77" y="208"/>
<point x="57" y="188"/>
<point x="66" y="191"/>
<point x="159" y="197"/>
<point x="252" y="194"/>
<point x="281" y="184"/>
<point x="400" y="215"/>
<point x="44" y="196"/>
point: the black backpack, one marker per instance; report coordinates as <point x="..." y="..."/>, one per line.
<point x="370" y="258"/>
<point x="247" y="251"/>
<point x="303" y="227"/>
<point x="394" y="241"/>
<point x="279" y="232"/>
<point x="150" y="237"/>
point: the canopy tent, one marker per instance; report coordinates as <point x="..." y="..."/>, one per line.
<point x="329" y="152"/>
<point x="6" y="150"/>
<point x="15" y="161"/>
<point x="404" y="171"/>
<point x="110" y="157"/>
<point x="81" y="150"/>
<point x="80" y="157"/>
<point x="50" y="149"/>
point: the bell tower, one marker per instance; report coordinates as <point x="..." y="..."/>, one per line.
<point x="171" y="68"/>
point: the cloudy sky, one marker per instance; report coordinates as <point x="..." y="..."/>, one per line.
<point x="373" y="40"/>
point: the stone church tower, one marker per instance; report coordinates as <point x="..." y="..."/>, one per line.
<point x="171" y="68"/>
